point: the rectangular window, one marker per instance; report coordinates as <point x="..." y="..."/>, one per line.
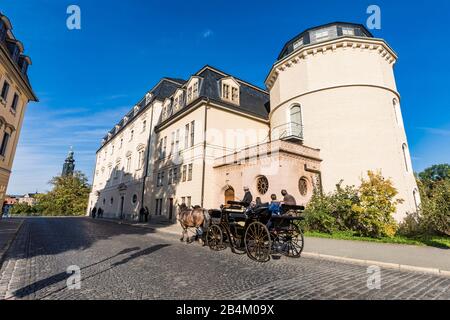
<point x="4" y="145"/>
<point x="162" y="178"/>
<point x="192" y="133"/>
<point x="189" y="96"/>
<point x="15" y="102"/>
<point x="164" y="147"/>
<point x="226" y="91"/>
<point x="141" y="159"/>
<point x="348" y="31"/>
<point x="172" y="143"/>
<point x="5" y="90"/>
<point x="183" y="200"/>
<point x="158" y="179"/>
<point x="144" y="125"/>
<point x="131" y="135"/>
<point x="170" y="177"/>
<point x="321" y="35"/>
<point x="161" y="142"/>
<point x="129" y="164"/>
<point x="186" y="136"/>
<point x="160" y="206"/>
<point x="190" y="173"/>
<point x="177" y="142"/>
<point x="175" y="175"/>
<point x="183" y="174"/>
<point x="188" y="201"/>
<point x="235" y="94"/>
<point x="195" y="90"/>
<point x="298" y="43"/>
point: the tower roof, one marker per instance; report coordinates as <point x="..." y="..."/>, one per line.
<point x="324" y="33"/>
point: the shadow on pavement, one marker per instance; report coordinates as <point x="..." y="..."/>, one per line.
<point x="63" y="276"/>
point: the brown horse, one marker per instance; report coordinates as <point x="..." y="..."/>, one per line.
<point x="196" y="217"/>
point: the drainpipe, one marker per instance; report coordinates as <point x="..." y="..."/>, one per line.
<point x="147" y="157"/>
<point x="204" y="151"/>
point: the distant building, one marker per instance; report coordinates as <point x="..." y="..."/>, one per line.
<point x="15" y="93"/>
<point x="330" y="113"/>
<point x="69" y="165"/>
<point x="29" y="198"/>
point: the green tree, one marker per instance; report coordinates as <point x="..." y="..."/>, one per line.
<point x="434" y="213"/>
<point x="69" y="196"/>
<point x="374" y="213"/>
<point x="437" y="172"/>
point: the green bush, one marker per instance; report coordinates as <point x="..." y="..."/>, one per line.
<point x="367" y="210"/>
<point x="317" y="214"/>
<point x="23" y="209"/>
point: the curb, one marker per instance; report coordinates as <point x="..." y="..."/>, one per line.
<point x="8" y="245"/>
<point x="386" y="265"/>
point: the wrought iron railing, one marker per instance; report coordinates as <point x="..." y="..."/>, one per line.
<point x="288" y="130"/>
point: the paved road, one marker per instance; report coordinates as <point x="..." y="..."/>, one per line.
<point x="125" y="262"/>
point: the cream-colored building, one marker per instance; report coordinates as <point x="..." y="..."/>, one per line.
<point x="15" y="93"/>
<point x="330" y="113"/>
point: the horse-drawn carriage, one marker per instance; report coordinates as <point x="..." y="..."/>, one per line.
<point x="255" y="231"/>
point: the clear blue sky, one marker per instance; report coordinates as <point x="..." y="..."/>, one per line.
<point x="87" y="79"/>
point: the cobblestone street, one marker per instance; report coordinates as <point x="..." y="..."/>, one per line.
<point x="125" y="262"/>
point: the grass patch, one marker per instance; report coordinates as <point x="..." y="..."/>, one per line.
<point x="432" y="241"/>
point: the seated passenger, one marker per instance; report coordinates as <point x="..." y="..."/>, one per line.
<point x="274" y="209"/>
<point x="274" y="206"/>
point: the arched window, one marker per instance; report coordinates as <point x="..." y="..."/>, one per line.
<point x="405" y="156"/>
<point x="296" y="120"/>
<point x="397" y="111"/>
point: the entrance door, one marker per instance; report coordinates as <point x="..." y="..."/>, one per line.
<point x="229" y="195"/>
<point x="122" y="201"/>
<point x="170" y="209"/>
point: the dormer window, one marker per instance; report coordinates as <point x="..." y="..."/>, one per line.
<point x="23" y="64"/>
<point x="192" y="90"/>
<point x="321" y="35"/>
<point x="230" y="90"/>
<point x="346" y="31"/>
<point x="3" y="31"/>
<point x="148" y="98"/>
<point x="136" y="109"/>
<point x="298" y="43"/>
<point x="178" y="100"/>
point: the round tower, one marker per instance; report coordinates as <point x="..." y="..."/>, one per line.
<point x="333" y="88"/>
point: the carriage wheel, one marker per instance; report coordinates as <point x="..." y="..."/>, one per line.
<point x="214" y="238"/>
<point x="257" y="242"/>
<point x="290" y="242"/>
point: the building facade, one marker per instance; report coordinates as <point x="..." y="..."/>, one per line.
<point x="15" y="94"/>
<point x="330" y="113"/>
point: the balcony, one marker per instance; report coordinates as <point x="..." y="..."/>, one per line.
<point x="291" y="131"/>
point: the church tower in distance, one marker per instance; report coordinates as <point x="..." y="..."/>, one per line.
<point x="69" y="165"/>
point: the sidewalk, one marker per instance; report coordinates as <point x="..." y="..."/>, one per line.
<point x="393" y="256"/>
<point x="8" y="230"/>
